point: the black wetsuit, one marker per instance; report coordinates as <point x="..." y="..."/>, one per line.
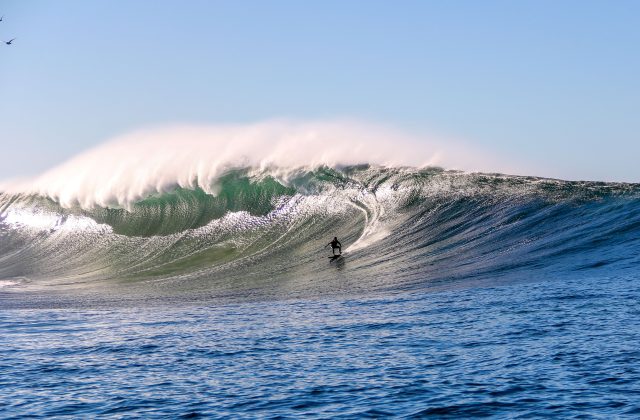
<point x="335" y="244"/>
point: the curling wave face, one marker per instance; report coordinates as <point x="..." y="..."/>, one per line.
<point x="262" y="234"/>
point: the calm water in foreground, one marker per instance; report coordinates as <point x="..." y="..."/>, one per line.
<point x="548" y="348"/>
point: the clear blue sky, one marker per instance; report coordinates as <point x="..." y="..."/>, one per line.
<point x="555" y="84"/>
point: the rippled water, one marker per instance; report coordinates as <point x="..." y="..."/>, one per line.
<point x="547" y="348"/>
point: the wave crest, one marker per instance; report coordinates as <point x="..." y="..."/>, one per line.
<point x="156" y="161"/>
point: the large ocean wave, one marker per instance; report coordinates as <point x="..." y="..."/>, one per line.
<point x="262" y="234"/>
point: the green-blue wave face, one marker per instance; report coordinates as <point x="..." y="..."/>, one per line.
<point x="263" y="234"/>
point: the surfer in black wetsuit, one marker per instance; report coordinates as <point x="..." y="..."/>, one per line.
<point x="335" y="244"/>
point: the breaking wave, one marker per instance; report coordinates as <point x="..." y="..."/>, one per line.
<point x="226" y="220"/>
<point x="401" y="228"/>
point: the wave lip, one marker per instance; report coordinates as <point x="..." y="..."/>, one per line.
<point x="156" y="161"/>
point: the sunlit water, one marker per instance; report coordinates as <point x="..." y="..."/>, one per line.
<point x="545" y="348"/>
<point x="459" y="295"/>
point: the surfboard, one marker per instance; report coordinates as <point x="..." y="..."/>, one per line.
<point x="334" y="257"/>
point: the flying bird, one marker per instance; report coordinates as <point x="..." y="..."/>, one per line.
<point x="9" y="41"/>
<point x="1" y="17"/>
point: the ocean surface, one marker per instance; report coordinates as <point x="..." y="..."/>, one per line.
<point x="459" y="295"/>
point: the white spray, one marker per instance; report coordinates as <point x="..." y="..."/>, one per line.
<point x="137" y="165"/>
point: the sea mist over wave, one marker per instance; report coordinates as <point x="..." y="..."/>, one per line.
<point x="152" y="161"/>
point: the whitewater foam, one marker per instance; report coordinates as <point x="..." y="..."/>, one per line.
<point x="39" y="220"/>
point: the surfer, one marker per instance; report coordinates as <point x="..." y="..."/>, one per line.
<point x="335" y="244"/>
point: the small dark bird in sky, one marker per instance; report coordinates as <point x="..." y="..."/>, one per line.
<point x="9" y="41"/>
<point x="1" y="17"/>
